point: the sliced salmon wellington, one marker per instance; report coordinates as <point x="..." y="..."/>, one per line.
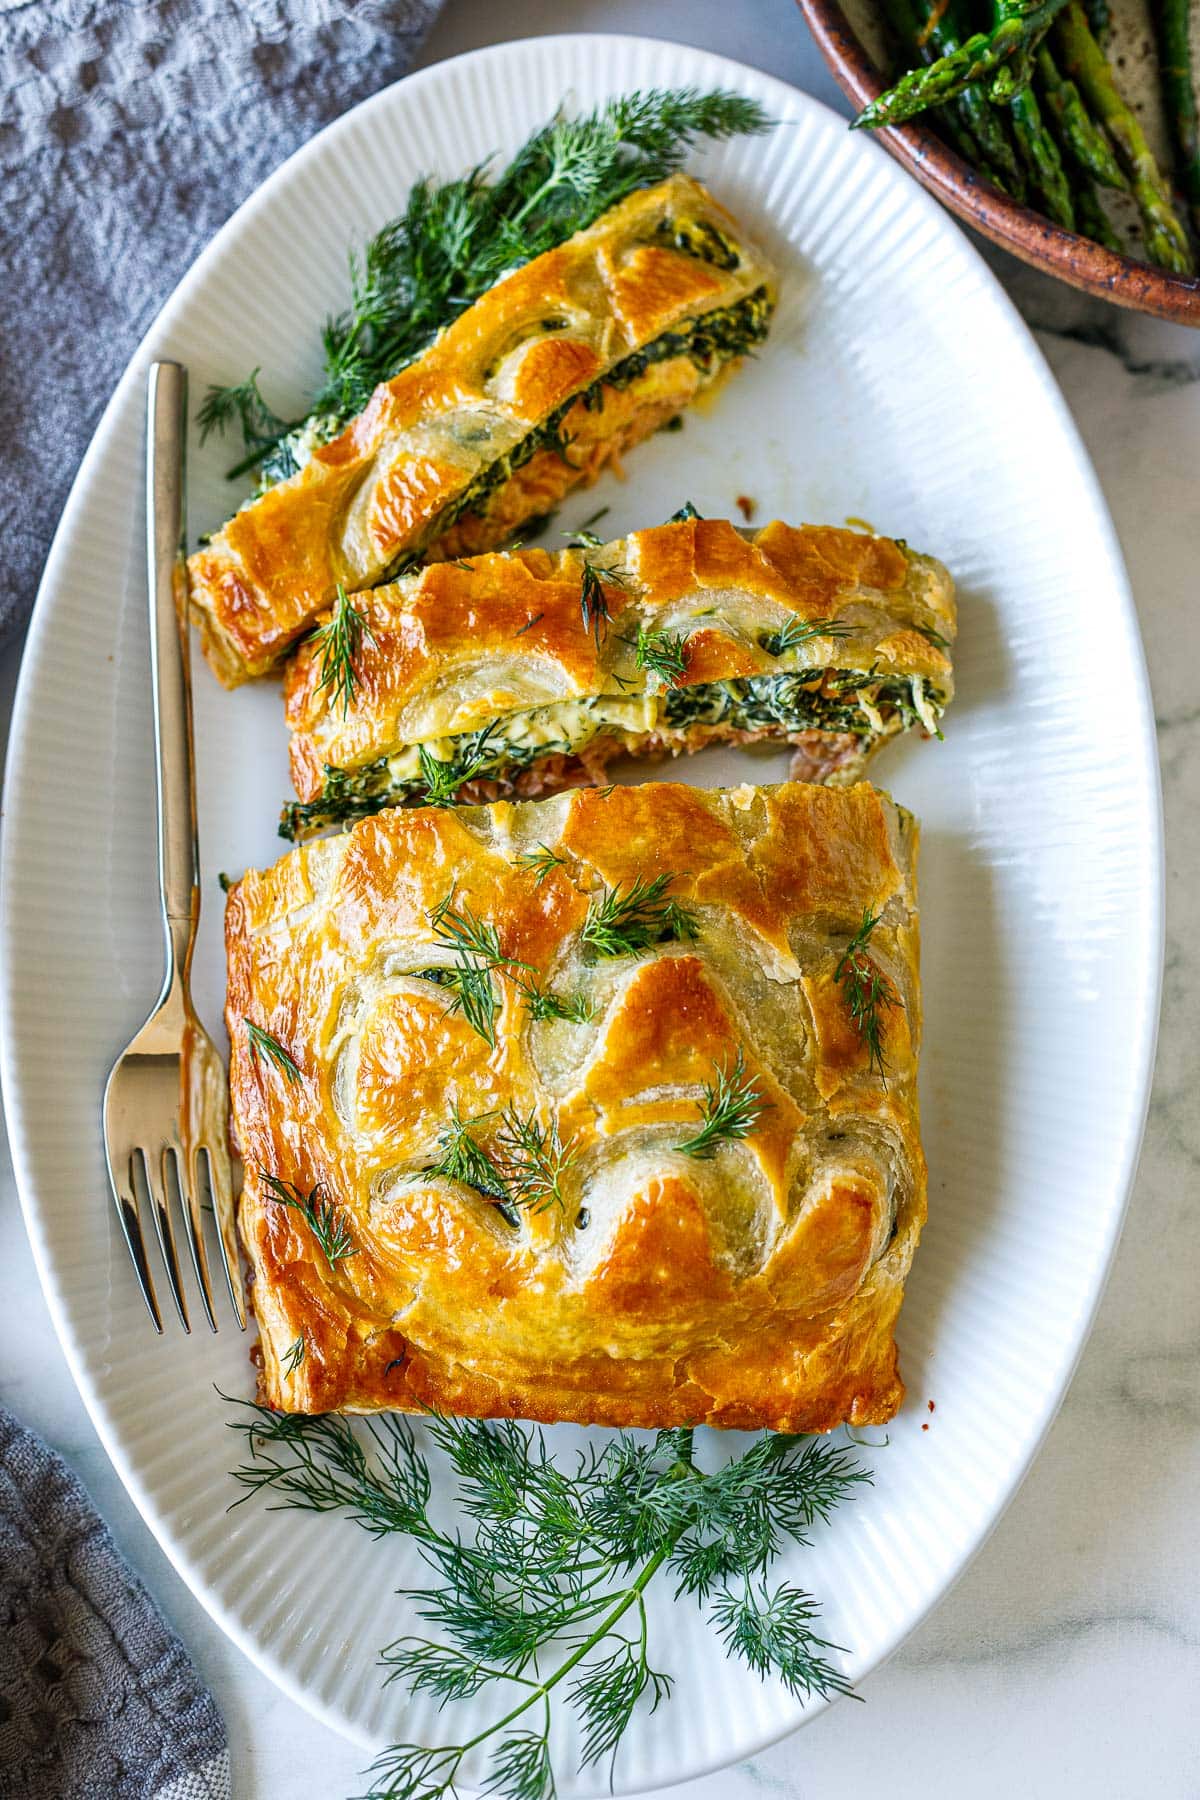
<point x="502" y="676"/>
<point x="560" y="367"/>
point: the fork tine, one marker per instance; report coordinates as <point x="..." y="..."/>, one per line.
<point x="222" y="1199"/>
<point x="193" y="1227"/>
<point x="131" y="1230"/>
<point x="164" y="1230"/>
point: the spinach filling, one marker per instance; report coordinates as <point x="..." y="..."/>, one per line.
<point x="821" y="700"/>
<point x="805" y="701"/>
<point x="708" y="342"/>
<point x="351" y="794"/>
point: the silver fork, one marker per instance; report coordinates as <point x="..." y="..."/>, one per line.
<point x="165" y="1102"/>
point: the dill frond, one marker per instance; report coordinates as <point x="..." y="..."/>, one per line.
<point x="340" y="640"/>
<point x="326" y="1220"/>
<point x="799" y="631"/>
<point x="663" y="654"/>
<point x="730" y="1110"/>
<point x="267" y="1049"/>
<point x="540" y="1600"/>
<point x="624" y="922"/>
<point x="539" y="862"/>
<point x="867" y="991"/>
<point x="534" y="1159"/>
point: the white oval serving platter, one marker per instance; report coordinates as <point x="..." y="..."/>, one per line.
<point x="900" y="387"/>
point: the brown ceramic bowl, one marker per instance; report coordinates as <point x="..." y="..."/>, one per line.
<point x="1017" y="228"/>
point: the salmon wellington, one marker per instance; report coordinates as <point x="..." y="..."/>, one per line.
<point x="550" y="376"/>
<point x="514" y="675"/>
<point x="597" y="1108"/>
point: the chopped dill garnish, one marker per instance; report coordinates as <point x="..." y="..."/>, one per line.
<point x="478" y="952"/>
<point x="523" y="1165"/>
<point x="663" y="654"/>
<point x="593" y="601"/>
<point x="686" y="511"/>
<point x="624" y="922"/>
<point x="340" y="639"/>
<point x="529" y="624"/>
<point x="935" y="637"/>
<point x="324" y="1219"/>
<point x="444" y="779"/>
<point x="576" y="1009"/>
<point x="464" y="1160"/>
<point x="539" y="862"/>
<point x="225" y="881"/>
<point x="533" y="1158"/>
<point x="241" y="404"/>
<point x="294" y="1355"/>
<point x="867" y="991"/>
<point x="536" y="1591"/>
<point x="265" y="1048"/>
<point x="800" y="631"/>
<point x="731" y="1108"/>
<point x="456" y="239"/>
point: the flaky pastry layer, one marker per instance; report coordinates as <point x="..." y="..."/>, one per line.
<point x="691" y="632"/>
<point x="592" y="345"/>
<point x="757" y="1287"/>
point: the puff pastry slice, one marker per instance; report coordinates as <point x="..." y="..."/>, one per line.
<point x="577" y="1113"/>
<point x="554" y="372"/>
<point x="521" y="674"/>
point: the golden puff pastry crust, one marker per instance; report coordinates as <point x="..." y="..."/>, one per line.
<point x="759" y="1287"/>
<point x="560" y="366"/>
<point x="548" y="653"/>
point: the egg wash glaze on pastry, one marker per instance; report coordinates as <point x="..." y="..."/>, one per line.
<point x="524" y="673"/>
<point x="671" y="1264"/>
<point x="557" y="369"/>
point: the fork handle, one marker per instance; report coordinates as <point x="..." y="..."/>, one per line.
<point x="170" y="670"/>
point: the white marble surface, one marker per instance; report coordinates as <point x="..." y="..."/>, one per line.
<point x="1066" y="1663"/>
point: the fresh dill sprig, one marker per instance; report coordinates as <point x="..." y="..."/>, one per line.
<point x="867" y="991"/>
<point x="294" y="1355"/>
<point x="523" y="1164"/>
<point x="534" y="1159"/>
<point x="464" y="1160"/>
<point x="626" y="921"/>
<point x="478" y="955"/>
<point x="241" y="404"/>
<point x="576" y="1009"/>
<point x="456" y="239"/>
<point x="801" y="631"/>
<point x="265" y="1048"/>
<point x="444" y="779"/>
<point x="663" y="654"/>
<point x="935" y="637"/>
<point x="325" y="1219"/>
<point x="593" y="600"/>
<point x="539" y="862"/>
<point x="340" y="640"/>
<point x="538" y="1580"/>
<point x="730" y="1110"/>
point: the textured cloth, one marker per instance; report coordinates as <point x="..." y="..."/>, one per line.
<point x="98" y="1700"/>
<point x="129" y="131"/>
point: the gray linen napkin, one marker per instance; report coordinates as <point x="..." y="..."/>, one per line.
<point x="129" y="130"/>
<point x="98" y="1700"/>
